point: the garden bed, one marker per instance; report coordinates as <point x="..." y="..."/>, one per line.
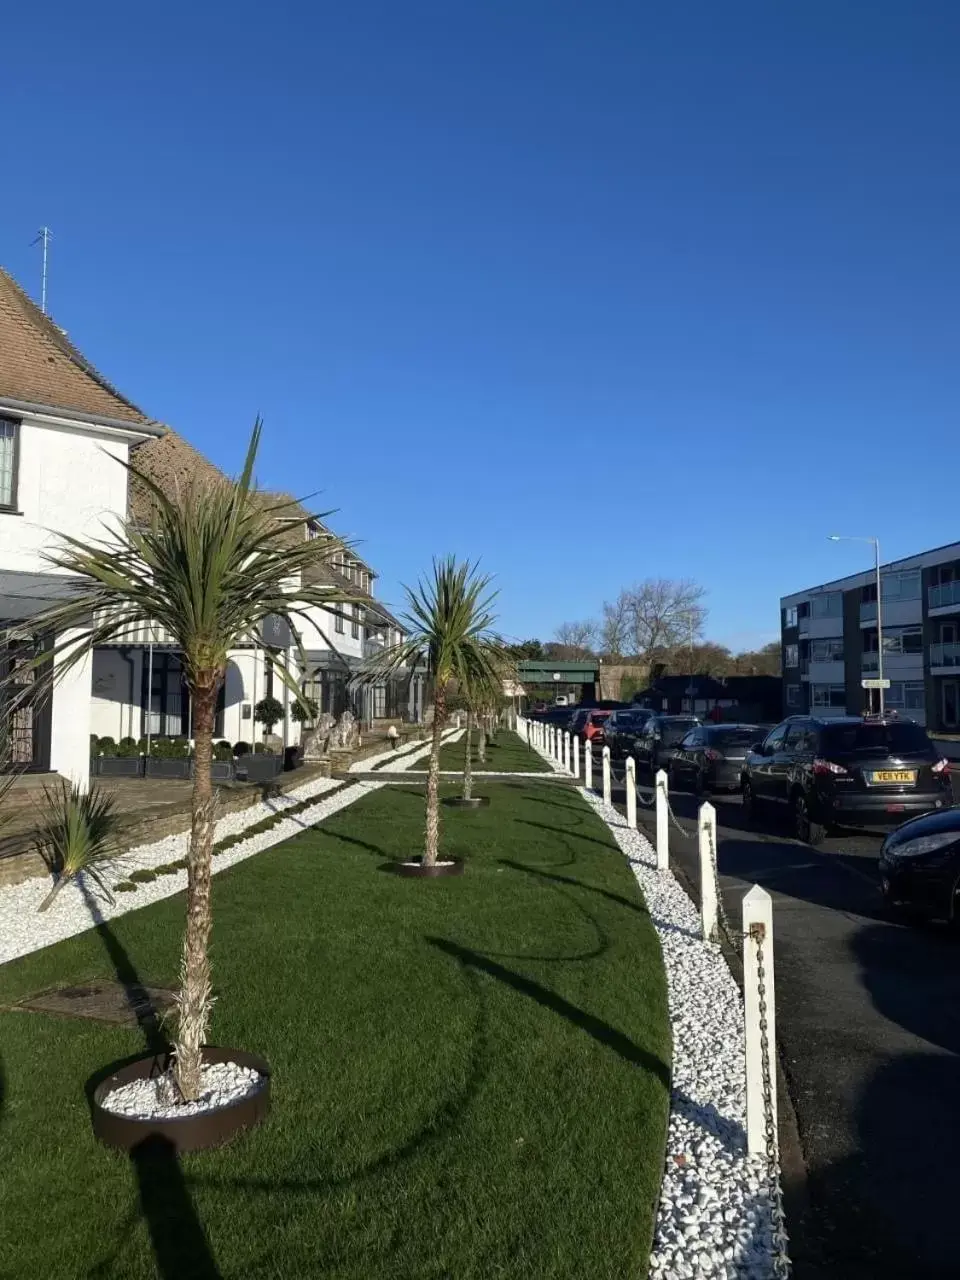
<point x="508" y="754"/>
<point x="469" y="1075"/>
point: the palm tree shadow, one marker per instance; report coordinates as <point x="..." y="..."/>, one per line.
<point x="579" y="884"/>
<point x="571" y="835"/>
<point x="595" y="1027"/>
<point x="181" y="1249"/>
<point x="365" y="845"/>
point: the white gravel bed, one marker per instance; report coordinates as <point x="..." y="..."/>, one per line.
<point x="396" y="754"/>
<point x="714" y="1217"/>
<point x="221" y="1083"/>
<point x="80" y="905"/>
<point x="401" y="763"/>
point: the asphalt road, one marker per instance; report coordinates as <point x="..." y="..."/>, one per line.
<point x="869" y="1035"/>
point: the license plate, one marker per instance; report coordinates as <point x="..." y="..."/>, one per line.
<point x="893" y="775"/>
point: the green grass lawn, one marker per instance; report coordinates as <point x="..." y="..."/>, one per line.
<point x="470" y="1075"/>
<point x="508" y="754"/>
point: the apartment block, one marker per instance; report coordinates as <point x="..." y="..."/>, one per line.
<point x="829" y="639"/>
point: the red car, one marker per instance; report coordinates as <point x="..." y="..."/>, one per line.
<point x="593" y="727"/>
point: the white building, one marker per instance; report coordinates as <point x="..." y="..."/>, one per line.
<point x="64" y="430"/>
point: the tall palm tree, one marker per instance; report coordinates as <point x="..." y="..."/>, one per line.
<point x="449" y="632"/>
<point x="213" y="563"/>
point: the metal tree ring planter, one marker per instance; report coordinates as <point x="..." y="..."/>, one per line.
<point x="461" y="802"/>
<point x="416" y="870"/>
<point x="183" y="1133"/>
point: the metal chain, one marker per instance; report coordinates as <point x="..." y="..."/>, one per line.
<point x="734" y="936"/>
<point x="781" y="1256"/>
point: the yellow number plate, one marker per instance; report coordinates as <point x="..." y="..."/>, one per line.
<point x="894" y="775"/>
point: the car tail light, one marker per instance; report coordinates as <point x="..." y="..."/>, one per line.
<point x="942" y="766"/>
<point x="824" y="768"/>
<point x="710" y="754"/>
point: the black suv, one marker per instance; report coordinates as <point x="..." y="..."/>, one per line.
<point x="848" y="771"/>
<point x="623" y="727"/>
<point x="658" y="741"/>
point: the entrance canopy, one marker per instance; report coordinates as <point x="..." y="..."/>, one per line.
<point x="24" y="595"/>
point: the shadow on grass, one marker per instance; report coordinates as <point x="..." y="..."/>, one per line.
<point x="571" y="835"/>
<point x="596" y="1028"/>
<point x="180" y="1246"/>
<point x="365" y="845"/>
<point x="578" y="884"/>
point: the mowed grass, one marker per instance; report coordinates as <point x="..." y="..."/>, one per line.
<point x="470" y="1075"/>
<point x="506" y="754"/>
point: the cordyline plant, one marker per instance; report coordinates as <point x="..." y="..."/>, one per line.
<point x="213" y="563"/>
<point x="448" y="627"/>
<point x="483" y="692"/>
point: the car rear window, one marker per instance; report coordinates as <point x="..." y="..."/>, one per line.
<point x="597" y="716"/>
<point x="876" y="739"/>
<point x="733" y="737"/>
<point x="673" y="730"/>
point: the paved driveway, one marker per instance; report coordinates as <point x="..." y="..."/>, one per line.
<point x="869" y="1034"/>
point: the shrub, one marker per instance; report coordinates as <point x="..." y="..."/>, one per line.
<point x="128" y="747"/>
<point x="170" y="749"/>
<point x="305" y="710"/>
<point x="241" y="749"/>
<point x="268" y="712"/>
<point x="107" y="746"/>
<point x="77" y="833"/>
<point x="143" y="875"/>
<point x="223" y="751"/>
<point x="125" y="886"/>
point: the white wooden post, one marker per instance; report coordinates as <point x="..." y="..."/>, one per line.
<point x="553" y="741"/>
<point x="758" y="917"/>
<point x="576" y="756"/>
<point x="587" y="764"/>
<point x="606" y="775"/>
<point x="631" y="784"/>
<point x="566" y="751"/>
<point x="707" y="832"/>
<point x="663" y="821"/>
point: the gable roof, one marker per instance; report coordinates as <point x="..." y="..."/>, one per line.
<point x="40" y="366"/>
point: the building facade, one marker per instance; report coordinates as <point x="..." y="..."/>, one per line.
<point x="829" y="639"/>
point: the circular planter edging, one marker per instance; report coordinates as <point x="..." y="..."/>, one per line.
<point x="184" y="1133"/>
<point x="459" y="802"/>
<point x="417" y="871"/>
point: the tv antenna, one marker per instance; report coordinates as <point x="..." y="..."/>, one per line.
<point x="43" y="237"/>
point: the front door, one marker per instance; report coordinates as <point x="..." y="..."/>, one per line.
<point x="950" y="703"/>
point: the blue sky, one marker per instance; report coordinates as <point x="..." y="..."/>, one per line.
<point x="599" y="291"/>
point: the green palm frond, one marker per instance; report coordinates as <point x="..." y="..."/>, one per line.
<point x="77" y="832"/>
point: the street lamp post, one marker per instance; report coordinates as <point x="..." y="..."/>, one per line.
<point x="838" y="537"/>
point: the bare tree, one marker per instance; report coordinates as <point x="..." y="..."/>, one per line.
<point x="615" y="630"/>
<point x="576" y="639"/>
<point x="664" y="613"/>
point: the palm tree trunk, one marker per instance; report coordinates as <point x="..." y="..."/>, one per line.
<point x="432" y="844"/>
<point x="482" y="744"/>
<point x="194" y="1000"/>
<point x="467" y="760"/>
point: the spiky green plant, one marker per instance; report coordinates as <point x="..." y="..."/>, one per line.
<point x="76" y="834"/>
<point x="449" y="631"/>
<point x="214" y="561"/>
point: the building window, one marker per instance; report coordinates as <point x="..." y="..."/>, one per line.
<point x="790" y="616"/>
<point x="355" y="622"/>
<point x="905" y="695"/>
<point x="828" y="695"/>
<point x="791" y="655"/>
<point x="793" y="695"/>
<point x="829" y="605"/>
<point x="901" y="586"/>
<point x="826" y="650"/>
<point x="338" y="620"/>
<point x="9" y="444"/>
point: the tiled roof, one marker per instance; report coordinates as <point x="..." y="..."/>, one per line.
<point x="39" y="364"/>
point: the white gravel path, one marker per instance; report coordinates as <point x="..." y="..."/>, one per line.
<point x="714" y="1217"/>
<point x="221" y="1083"/>
<point x="400" y="757"/>
<point x="80" y="906"/>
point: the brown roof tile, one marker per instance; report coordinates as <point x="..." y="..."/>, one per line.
<point x="40" y="364"/>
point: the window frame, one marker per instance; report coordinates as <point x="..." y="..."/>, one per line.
<point x="355" y="623"/>
<point x="11" y="507"/>
<point x="831" y="691"/>
<point x="831" y="646"/>
<point x="793" y="695"/>
<point x="791" y="656"/>
<point x="830" y="598"/>
<point x="790" y="617"/>
<point x="338" y="620"/>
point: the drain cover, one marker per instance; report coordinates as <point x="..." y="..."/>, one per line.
<point x="114" y="1002"/>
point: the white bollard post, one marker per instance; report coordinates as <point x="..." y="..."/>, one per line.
<point x="587" y="764"/>
<point x="606" y="775"/>
<point x="663" y="821"/>
<point x="707" y="832"/>
<point x="631" y="785"/>
<point x="758" y="926"/>
<point x="576" y="756"/>
<point x="566" y="751"/>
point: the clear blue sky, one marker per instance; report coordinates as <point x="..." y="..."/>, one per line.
<point x="684" y="276"/>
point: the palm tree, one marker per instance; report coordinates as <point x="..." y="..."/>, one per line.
<point x="449" y="632"/>
<point x="213" y="563"/>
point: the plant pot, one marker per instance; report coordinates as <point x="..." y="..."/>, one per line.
<point x="221" y="770"/>
<point x="162" y="767"/>
<point x="415" y="870"/>
<point x="259" y="768"/>
<point x="117" y="766"/>
<point x="186" y="1133"/>
<point x="460" y="802"/>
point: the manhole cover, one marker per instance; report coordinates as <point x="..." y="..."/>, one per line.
<point x="124" y="1005"/>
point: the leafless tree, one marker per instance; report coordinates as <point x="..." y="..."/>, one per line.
<point x="615" y="628"/>
<point x="658" y="613"/>
<point x="577" y="639"/>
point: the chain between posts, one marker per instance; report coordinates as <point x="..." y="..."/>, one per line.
<point x="781" y="1257"/>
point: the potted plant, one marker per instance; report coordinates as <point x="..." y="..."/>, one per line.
<point x="221" y="767"/>
<point x="448" y="628"/>
<point x="169" y="758"/>
<point x="268" y="712"/>
<point x="209" y="567"/>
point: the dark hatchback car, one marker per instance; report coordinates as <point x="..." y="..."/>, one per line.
<point x="920" y="865"/>
<point x="659" y="739"/>
<point x="622" y="728"/>
<point x="711" y="757"/>
<point x="848" y="771"/>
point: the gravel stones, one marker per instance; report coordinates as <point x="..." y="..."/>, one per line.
<point x="222" y="1083"/>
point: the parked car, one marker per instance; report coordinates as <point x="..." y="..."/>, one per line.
<point x="657" y="742"/>
<point x="593" y="726"/>
<point x="711" y="756"/>
<point x="622" y="727"/>
<point x="920" y="865"/>
<point x="859" y="771"/>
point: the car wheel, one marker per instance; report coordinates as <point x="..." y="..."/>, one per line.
<point x="808" y="830"/>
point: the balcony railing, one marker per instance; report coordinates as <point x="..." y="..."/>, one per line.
<point x="944" y="595"/>
<point x="945" y="655"/>
<point x="868" y="611"/>
<point x="870" y="662"/>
